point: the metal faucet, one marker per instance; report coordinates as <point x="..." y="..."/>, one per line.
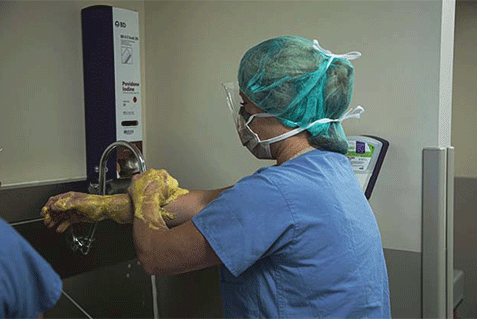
<point x="84" y="243"/>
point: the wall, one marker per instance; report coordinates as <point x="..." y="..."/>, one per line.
<point x="464" y="115"/>
<point x="464" y="139"/>
<point x="41" y="89"/>
<point x="193" y="46"/>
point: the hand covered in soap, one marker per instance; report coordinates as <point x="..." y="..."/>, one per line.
<point x="73" y="207"/>
<point x="152" y="190"/>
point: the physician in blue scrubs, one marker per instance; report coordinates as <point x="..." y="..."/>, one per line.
<point x="294" y="240"/>
<point x="28" y="284"/>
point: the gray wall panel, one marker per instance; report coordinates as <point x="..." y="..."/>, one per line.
<point x="465" y="241"/>
<point x="120" y="291"/>
<point x="404" y="271"/>
<point x="190" y="295"/>
<point x="434" y="233"/>
<point x="22" y="203"/>
<point x="125" y="291"/>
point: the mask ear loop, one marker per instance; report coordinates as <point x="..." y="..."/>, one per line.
<point x="355" y="113"/>
<point x="296" y="131"/>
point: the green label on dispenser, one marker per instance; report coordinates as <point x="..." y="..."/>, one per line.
<point x="359" y="155"/>
<point x="359" y="149"/>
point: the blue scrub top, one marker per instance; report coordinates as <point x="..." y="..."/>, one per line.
<point x="28" y="284"/>
<point x="298" y="240"/>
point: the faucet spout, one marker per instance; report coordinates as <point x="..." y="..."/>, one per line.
<point x="104" y="161"/>
<point x="84" y="243"/>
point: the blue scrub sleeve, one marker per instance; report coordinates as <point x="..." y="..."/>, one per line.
<point x="28" y="284"/>
<point x="249" y="221"/>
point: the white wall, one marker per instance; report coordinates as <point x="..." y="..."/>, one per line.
<point x="41" y="89"/>
<point x="193" y="46"/>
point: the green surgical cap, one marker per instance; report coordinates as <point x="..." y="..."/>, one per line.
<point x="292" y="79"/>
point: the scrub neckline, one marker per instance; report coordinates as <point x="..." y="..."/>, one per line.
<point x="306" y="150"/>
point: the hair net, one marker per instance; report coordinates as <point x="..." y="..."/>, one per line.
<point x="296" y="80"/>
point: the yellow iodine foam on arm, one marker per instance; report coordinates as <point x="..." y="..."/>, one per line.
<point x="155" y="189"/>
<point x="99" y="207"/>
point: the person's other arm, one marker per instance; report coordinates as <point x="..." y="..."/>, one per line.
<point x="172" y="251"/>
<point x="160" y="249"/>
<point x="187" y="206"/>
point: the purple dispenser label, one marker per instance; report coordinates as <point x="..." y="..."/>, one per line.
<point x="360" y="147"/>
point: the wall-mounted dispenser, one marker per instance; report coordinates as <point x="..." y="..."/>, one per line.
<point x="366" y="155"/>
<point x="112" y="86"/>
<point x="112" y="95"/>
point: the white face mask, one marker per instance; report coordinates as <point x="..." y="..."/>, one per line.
<point x="261" y="149"/>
